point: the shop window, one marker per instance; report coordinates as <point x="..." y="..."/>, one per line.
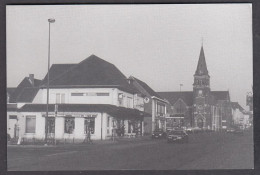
<point x="60" y="98"/>
<point x="89" y="124"/>
<point x="130" y="127"/>
<point x="51" y="125"/>
<point x="30" y="124"/>
<point x="69" y="125"/>
<point x="108" y="121"/>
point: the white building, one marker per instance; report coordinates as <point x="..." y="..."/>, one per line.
<point x="92" y="95"/>
<point x="239" y="116"/>
<point x="154" y="105"/>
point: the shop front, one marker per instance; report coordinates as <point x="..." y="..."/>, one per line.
<point x="68" y="125"/>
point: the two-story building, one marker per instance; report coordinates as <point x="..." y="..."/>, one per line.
<point x="91" y="95"/>
<point x="153" y="104"/>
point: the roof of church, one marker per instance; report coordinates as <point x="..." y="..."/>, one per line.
<point x="220" y="95"/>
<point x="202" y="66"/>
<point x="147" y="88"/>
<point x="20" y="90"/>
<point x="172" y="97"/>
<point x="93" y="71"/>
<point x="187" y="96"/>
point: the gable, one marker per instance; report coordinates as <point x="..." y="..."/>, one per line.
<point x="172" y="97"/>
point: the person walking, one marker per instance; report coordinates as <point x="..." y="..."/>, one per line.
<point x="89" y="141"/>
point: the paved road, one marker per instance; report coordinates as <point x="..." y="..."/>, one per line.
<point x="204" y="151"/>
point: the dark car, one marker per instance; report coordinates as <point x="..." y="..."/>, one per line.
<point x="238" y="132"/>
<point x="177" y="136"/>
<point x="158" y="134"/>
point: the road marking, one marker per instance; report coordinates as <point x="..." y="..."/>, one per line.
<point x="62" y="153"/>
<point x="18" y="158"/>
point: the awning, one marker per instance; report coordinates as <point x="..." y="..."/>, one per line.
<point x="120" y="112"/>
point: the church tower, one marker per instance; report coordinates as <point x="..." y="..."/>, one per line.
<point x="201" y="93"/>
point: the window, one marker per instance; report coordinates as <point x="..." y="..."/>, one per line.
<point x="160" y="108"/>
<point x="108" y="125"/>
<point x="102" y="94"/>
<point x="30" y="124"/>
<point x="51" y="125"/>
<point x="77" y="94"/>
<point x="129" y="102"/>
<point x="89" y="124"/>
<point x="108" y="121"/>
<point x="60" y="98"/>
<point x="69" y="125"/>
<point x="200" y="93"/>
<point x="130" y="126"/>
<point x="13" y="117"/>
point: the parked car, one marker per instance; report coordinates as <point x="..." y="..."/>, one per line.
<point x="238" y="132"/>
<point x="177" y="136"/>
<point x="158" y="134"/>
<point x="230" y="130"/>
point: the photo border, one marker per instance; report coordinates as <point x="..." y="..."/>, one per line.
<point x="256" y="65"/>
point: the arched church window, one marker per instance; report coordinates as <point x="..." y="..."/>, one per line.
<point x="200" y="93"/>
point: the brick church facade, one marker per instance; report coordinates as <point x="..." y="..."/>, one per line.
<point x="200" y="108"/>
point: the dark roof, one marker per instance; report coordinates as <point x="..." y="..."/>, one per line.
<point x="11" y="107"/>
<point x="172" y="97"/>
<point x="147" y="88"/>
<point x="93" y="71"/>
<point x="202" y="66"/>
<point x="10" y="90"/>
<point x="25" y="83"/>
<point x="57" y="70"/>
<point x="220" y="95"/>
<point x="236" y="105"/>
<point x="27" y="95"/>
<point x="110" y="109"/>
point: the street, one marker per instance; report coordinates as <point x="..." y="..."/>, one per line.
<point x="204" y="151"/>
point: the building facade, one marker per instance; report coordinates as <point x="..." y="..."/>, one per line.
<point x="201" y="108"/>
<point x="91" y="96"/>
<point x="153" y="104"/>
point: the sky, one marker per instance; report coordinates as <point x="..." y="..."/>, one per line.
<point x="159" y="44"/>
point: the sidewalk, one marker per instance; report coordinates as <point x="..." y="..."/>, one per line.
<point x="95" y="142"/>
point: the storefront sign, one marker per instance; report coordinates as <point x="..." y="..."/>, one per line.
<point x="71" y="114"/>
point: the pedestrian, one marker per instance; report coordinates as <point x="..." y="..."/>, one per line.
<point x="89" y="141"/>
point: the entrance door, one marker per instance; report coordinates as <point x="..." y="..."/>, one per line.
<point x="200" y="123"/>
<point x="12" y="127"/>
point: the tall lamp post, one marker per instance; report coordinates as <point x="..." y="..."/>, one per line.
<point x="51" y="20"/>
<point x="180" y="107"/>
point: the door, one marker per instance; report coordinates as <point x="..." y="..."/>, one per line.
<point x="200" y="123"/>
<point x="12" y="128"/>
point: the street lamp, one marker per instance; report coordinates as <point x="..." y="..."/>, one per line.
<point x="51" y="20"/>
<point x="180" y="107"/>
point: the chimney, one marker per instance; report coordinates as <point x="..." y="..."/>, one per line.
<point x="31" y="79"/>
<point x="130" y="81"/>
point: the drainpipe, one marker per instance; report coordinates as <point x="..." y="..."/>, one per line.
<point x="102" y="126"/>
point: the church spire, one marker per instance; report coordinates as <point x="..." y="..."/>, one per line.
<point x="202" y="66"/>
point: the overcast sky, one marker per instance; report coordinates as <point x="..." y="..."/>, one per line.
<point x="159" y="44"/>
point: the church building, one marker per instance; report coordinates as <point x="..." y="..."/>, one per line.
<point x="201" y="108"/>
